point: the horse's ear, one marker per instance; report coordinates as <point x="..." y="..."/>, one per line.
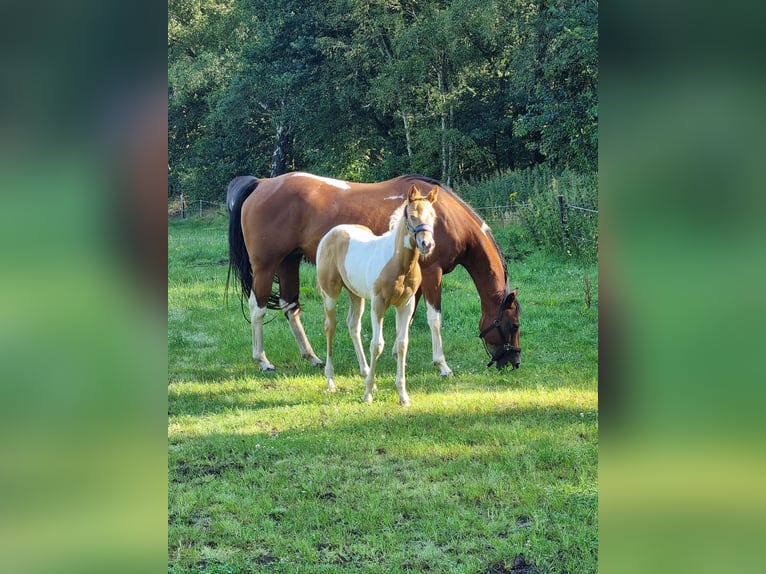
<point x="511" y="297"/>
<point x="413" y="194"/>
<point x="432" y="196"/>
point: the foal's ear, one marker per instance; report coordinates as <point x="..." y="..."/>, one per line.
<point x="432" y="195"/>
<point x="413" y="194"/>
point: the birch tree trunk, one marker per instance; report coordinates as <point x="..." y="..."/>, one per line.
<point x="446" y="113"/>
<point x="407" y="135"/>
<point x="281" y="150"/>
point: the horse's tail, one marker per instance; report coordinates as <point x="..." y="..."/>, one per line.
<point x="239" y="260"/>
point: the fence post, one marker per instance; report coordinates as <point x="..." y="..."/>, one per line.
<point x="563" y="219"/>
<point x="183" y="206"/>
<point x="200" y="208"/>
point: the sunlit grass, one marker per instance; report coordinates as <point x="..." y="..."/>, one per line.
<point x="487" y="469"/>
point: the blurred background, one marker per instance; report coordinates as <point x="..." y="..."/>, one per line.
<point x="83" y="178"/>
<point x="682" y="265"/>
<point x="83" y="185"/>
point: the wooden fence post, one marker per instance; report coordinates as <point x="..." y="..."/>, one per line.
<point x="563" y="219"/>
<point x="183" y="206"/>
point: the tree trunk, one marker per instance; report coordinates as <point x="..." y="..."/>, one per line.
<point x="407" y="136"/>
<point x="281" y="151"/>
<point x="450" y="146"/>
<point x="441" y="76"/>
<point x="444" y="147"/>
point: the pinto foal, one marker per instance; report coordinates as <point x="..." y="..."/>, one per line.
<point x="382" y="268"/>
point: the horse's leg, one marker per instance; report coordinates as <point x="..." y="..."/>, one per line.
<point x="330" y="321"/>
<point x="376" y="347"/>
<point x="256" y="321"/>
<point x="289" y="290"/>
<point x="432" y="292"/>
<point x="403" y="316"/>
<point x="354" y="322"/>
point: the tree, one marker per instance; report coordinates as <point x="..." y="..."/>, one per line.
<point x="371" y="89"/>
<point x="558" y="88"/>
<point x="200" y="65"/>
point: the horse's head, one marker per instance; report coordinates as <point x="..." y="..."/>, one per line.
<point x="502" y="335"/>
<point x="420" y="216"/>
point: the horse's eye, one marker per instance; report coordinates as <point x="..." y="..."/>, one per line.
<point x="515" y="326"/>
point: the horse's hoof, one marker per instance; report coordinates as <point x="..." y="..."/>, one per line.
<point x="268" y="368"/>
<point x="404" y="402"/>
<point x="367" y="398"/>
<point x="317" y="363"/>
<point x="444" y="370"/>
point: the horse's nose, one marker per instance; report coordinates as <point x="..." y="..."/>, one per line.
<point x="516" y="364"/>
<point x="426" y="246"/>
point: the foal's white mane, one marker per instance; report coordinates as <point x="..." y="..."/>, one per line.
<point x="396" y="216"/>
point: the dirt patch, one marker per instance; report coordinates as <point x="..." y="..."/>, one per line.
<point x="519" y="565"/>
<point x="265" y="559"/>
<point x="523" y="521"/>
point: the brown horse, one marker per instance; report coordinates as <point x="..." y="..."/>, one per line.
<point x="276" y="222"/>
<point x="381" y="268"/>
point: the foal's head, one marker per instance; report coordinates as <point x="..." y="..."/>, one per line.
<point x="419" y="216"/>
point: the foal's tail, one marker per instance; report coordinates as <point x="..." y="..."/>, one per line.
<point x="239" y="260"/>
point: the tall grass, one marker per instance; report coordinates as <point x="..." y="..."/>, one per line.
<point x="530" y="195"/>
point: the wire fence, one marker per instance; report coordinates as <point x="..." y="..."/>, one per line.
<point x="513" y="207"/>
<point x="501" y="213"/>
<point x="566" y="235"/>
<point x="183" y="208"/>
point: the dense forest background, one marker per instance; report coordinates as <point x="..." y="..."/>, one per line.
<point x="458" y="90"/>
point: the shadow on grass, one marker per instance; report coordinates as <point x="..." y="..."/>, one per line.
<point x="482" y="481"/>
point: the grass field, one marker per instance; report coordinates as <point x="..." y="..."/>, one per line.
<point x="488" y="472"/>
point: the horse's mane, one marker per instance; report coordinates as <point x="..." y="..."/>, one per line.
<point x="478" y="220"/>
<point x="497" y="246"/>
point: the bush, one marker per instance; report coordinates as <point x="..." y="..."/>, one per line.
<point x="532" y="196"/>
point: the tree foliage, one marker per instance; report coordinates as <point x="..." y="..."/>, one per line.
<point x="366" y="90"/>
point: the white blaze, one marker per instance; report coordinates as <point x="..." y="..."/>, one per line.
<point x="329" y="181"/>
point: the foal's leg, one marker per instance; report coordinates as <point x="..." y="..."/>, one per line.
<point x="403" y="316"/>
<point x="354" y="322"/>
<point x="330" y="321"/>
<point x="376" y="348"/>
<point x="289" y="289"/>
<point x="256" y="320"/>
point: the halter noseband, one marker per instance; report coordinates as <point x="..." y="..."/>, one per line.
<point x="417" y="229"/>
<point x="496" y="324"/>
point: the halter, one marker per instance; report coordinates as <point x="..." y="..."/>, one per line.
<point x="417" y="229"/>
<point x="496" y="324"/>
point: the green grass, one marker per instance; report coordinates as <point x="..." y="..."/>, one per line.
<point x="487" y="472"/>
